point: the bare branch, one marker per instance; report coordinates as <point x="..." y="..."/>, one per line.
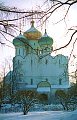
<point x="64" y="16"/>
<point x="67" y="43"/>
<point x="5" y="37"/>
<point x="72" y="49"/>
<point x="67" y="2"/>
<point x="7" y="33"/>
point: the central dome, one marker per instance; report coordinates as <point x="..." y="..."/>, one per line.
<point x="32" y="33"/>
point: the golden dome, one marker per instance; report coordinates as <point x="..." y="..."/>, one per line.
<point x="32" y="33"/>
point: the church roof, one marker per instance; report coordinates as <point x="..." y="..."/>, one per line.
<point x="20" y="40"/>
<point x="32" y="33"/>
<point x="45" y="40"/>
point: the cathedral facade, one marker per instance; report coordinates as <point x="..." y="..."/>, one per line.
<point x="33" y="66"/>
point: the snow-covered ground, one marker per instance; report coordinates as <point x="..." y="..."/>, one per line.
<point x="45" y="115"/>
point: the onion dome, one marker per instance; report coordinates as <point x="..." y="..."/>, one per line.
<point x="20" y="40"/>
<point x="32" y="33"/>
<point x="45" y="40"/>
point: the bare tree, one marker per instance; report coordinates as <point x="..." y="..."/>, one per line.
<point x="27" y="98"/>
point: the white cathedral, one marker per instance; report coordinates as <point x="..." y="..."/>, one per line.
<point x="33" y="66"/>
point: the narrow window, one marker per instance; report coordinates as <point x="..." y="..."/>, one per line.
<point x="23" y="51"/>
<point x="46" y="61"/>
<point x="46" y="79"/>
<point x="60" y="81"/>
<point x="59" y="61"/>
<point x="31" y="81"/>
<point x="31" y="61"/>
<point x="18" y="62"/>
<point x="19" y="51"/>
<point x="16" y="51"/>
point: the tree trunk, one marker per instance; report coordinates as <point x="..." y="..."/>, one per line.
<point x="24" y="110"/>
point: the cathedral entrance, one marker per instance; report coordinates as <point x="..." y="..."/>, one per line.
<point x="44" y="88"/>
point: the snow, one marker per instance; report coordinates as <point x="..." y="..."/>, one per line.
<point x="45" y="115"/>
<point x="60" y="86"/>
<point x="31" y="86"/>
<point x="43" y="89"/>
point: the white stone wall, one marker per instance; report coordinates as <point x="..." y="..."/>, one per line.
<point x="32" y="70"/>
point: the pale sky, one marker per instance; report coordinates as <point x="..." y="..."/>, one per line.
<point x="57" y="31"/>
<point x="23" y="4"/>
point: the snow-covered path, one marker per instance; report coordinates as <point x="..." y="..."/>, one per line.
<point x="47" y="115"/>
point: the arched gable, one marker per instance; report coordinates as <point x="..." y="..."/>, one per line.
<point x="44" y="84"/>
